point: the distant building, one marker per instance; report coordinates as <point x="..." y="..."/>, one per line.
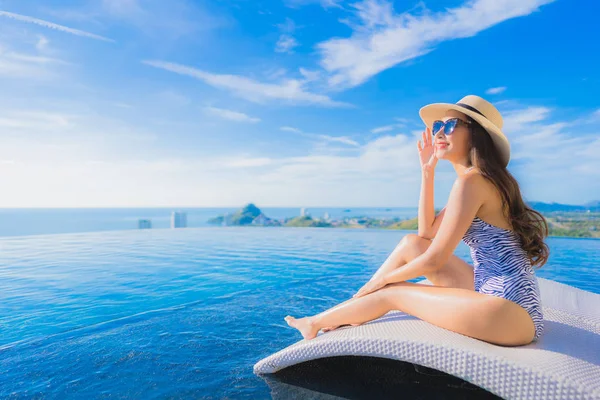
<point x="326" y="216"/>
<point x="302" y="212"/>
<point x="144" y="224"/>
<point x="178" y="219"/>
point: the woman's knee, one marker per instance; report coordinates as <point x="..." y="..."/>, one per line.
<point x="413" y="245"/>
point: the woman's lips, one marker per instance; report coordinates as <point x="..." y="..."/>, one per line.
<point x="442" y="146"/>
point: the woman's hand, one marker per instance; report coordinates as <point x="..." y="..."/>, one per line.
<point x="427" y="151"/>
<point x="372" y="286"/>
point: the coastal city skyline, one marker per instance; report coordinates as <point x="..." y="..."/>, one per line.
<point x="292" y="103"/>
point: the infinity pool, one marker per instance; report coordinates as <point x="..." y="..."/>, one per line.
<point x="186" y="313"/>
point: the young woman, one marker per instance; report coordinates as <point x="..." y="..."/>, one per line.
<point x="496" y="300"/>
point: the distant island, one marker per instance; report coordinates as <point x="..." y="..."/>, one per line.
<point x="563" y="220"/>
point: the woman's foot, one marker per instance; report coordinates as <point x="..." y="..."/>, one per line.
<point x="305" y="325"/>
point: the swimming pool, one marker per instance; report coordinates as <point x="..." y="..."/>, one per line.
<point x="186" y="312"/>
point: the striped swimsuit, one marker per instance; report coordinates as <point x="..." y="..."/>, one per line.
<point x="502" y="269"/>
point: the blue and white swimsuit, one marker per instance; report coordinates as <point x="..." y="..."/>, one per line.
<point x="502" y="268"/>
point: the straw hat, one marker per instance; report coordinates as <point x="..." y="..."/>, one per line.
<point x="481" y="111"/>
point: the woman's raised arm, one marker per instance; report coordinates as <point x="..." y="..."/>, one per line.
<point x="428" y="159"/>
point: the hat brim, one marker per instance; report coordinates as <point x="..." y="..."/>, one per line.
<point x="435" y="111"/>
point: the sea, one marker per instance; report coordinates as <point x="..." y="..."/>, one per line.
<point x="93" y="308"/>
<point x="38" y="221"/>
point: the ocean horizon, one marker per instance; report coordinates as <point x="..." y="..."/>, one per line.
<point x="41" y="221"/>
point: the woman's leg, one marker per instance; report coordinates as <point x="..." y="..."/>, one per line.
<point x="397" y="258"/>
<point x="356" y="310"/>
<point x="456" y="272"/>
<point x="484" y="317"/>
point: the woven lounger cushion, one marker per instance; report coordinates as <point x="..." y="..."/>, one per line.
<point x="563" y="364"/>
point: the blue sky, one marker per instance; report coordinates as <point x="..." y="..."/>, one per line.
<point x="128" y="103"/>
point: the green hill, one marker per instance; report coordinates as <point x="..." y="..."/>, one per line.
<point x="306" y="221"/>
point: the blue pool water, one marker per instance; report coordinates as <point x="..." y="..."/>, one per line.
<point x="186" y="313"/>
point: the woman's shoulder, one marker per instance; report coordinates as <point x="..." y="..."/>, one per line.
<point x="478" y="183"/>
<point x="491" y="198"/>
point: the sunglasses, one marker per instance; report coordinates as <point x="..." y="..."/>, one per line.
<point x="448" y="126"/>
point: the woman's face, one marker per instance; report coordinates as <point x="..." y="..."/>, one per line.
<point x="456" y="146"/>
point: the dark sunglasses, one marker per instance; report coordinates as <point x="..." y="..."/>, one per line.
<point x="448" y="126"/>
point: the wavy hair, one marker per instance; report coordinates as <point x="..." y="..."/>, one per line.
<point x="530" y="225"/>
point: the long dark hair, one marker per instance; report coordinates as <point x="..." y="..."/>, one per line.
<point x="530" y="225"/>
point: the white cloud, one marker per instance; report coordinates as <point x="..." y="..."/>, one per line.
<point x="331" y="3"/>
<point x="31" y="59"/>
<point x="230" y="115"/>
<point x="286" y="44"/>
<point x="387" y="128"/>
<point x="326" y="4"/>
<point x="290" y="90"/>
<point x="248" y="162"/>
<point x="290" y="129"/>
<point x="42" y="43"/>
<point x="496" y="90"/>
<point x="322" y="140"/>
<point x="384" y="165"/>
<point x="67" y="126"/>
<point x="51" y="25"/>
<point x="37" y="65"/>
<point x="27" y="66"/>
<point x="517" y="120"/>
<point x="79" y="159"/>
<point x="381" y="129"/>
<point x="596" y="115"/>
<point x="386" y="169"/>
<point x="555" y="159"/>
<point x="382" y="38"/>
<point x="339" y="139"/>
<point x="309" y="75"/>
<point x="33" y="119"/>
<point x="373" y="168"/>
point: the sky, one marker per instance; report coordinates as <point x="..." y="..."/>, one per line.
<point x="285" y="103"/>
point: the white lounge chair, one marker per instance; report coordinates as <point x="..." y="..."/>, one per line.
<point x="563" y="364"/>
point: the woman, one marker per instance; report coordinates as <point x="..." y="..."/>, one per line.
<point x="496" y="300"/>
